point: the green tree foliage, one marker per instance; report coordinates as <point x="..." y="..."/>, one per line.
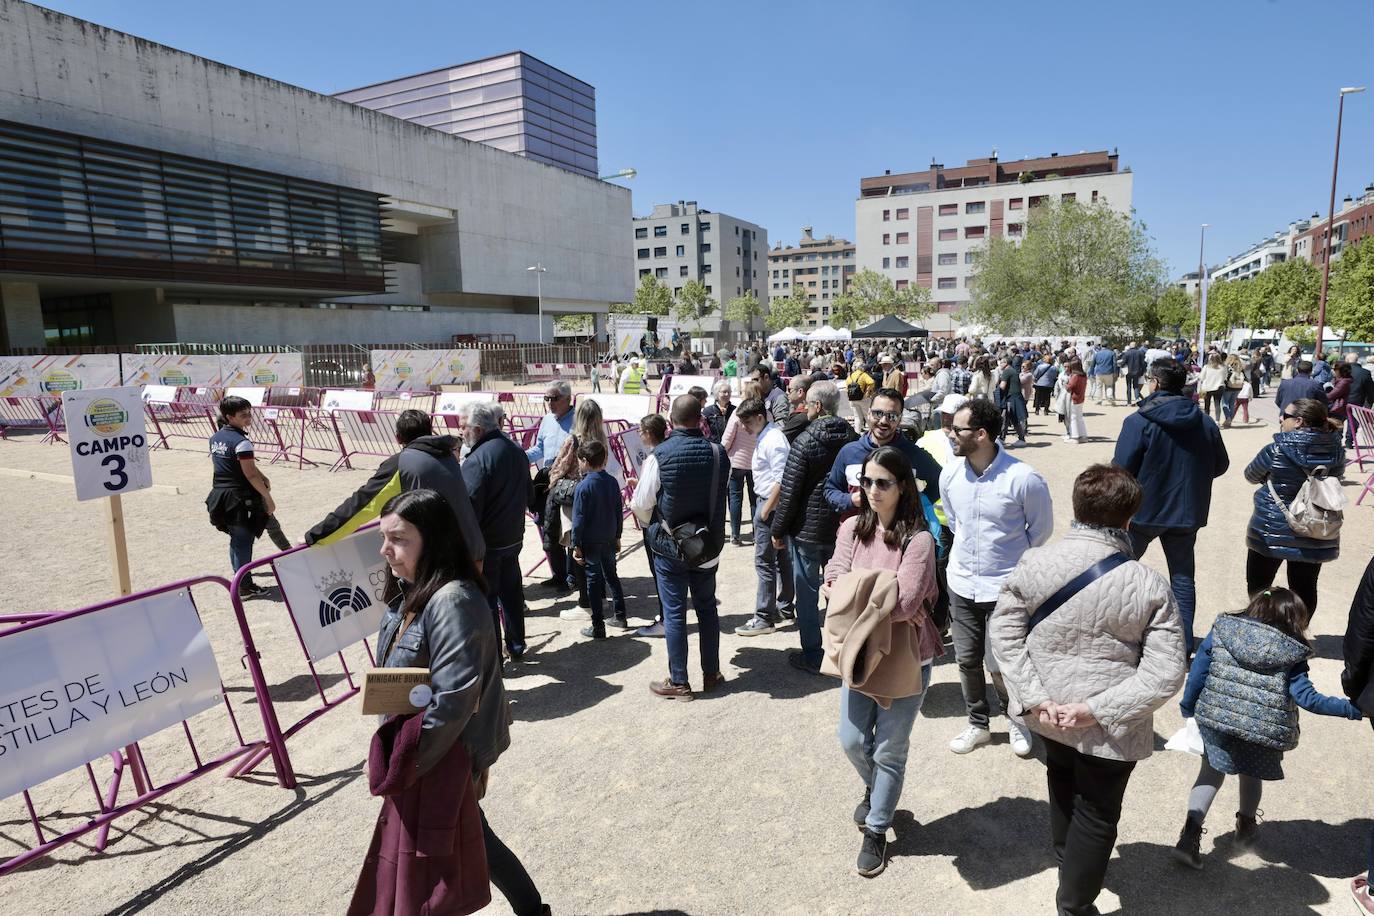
<point x="577" y="324"/>
<point x="1302" y="334"/>
<point x="1284" y="294"/>
<point x="651" y="297"/>
<point x="1350" y="297"/>
<point x="1229" y="302"/>
<point x="1082" y="269"/>
<point x="743" y="309"/>
<point x="872" y="295"/>
<point x="1176" y="313"/>
<point x="693" y="304"/>
<point x="790" y="312"/>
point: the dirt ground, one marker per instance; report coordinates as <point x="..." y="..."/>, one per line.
<point x="622" y="803"/>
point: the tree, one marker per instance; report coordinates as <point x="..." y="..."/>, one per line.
<point x="744" y="309"/>
<point x="651" y="298"/>
<point x="1286" y="293"/>
<point x="576" y="324"/>
<point x="693" y="304"/>
<point x="791" y="312"/>
<point x="1176" y="313"/>
<point x="1082" y="269"/>
<point x="1350" y="296"/>
<point x="872" y="295"/>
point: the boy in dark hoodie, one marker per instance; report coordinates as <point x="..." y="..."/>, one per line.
<point x="1174" y="451"/>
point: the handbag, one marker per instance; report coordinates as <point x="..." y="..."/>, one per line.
<point x="1074" y="586"/>
<point x="562" y="491"/>
<point x="539" y="491"/>
<point x="1317" y="509"/>
<point x="691" y="538"/>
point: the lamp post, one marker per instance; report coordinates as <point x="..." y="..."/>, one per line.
<point x="1202" y="295"/>
<point x="1331" y="220"/>
<point x="539" y="271"/>
<point x="627" y="174"/>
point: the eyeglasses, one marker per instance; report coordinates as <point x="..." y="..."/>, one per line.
<point x="964" y="429"/>
<point x="883" y="416"/>
<point x="881" y="484"/>
<point x="552" y="397"/>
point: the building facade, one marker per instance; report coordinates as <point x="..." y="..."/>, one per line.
<point x="149" y="195"/>
<point x="729" y="256"/>
<point x="821" y="268"/>
<point x="922" y="228"/>
<point x="514" y="102"/>
<point x="1259" y="257"/>
<point x="1354" y="222"/>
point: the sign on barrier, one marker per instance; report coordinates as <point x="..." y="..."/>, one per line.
<point x="108" y="442"/>
<point x="451" y="402"/>
<point x="163" y="393"/>
<point x="422" y="369"/>
<point x="679" y="384"/>
<point x="630" y="407"/>
<point x="79" y="687"/>
<point x="40" y="375"/>
<point x="346" y="399"/>
<point x="334" y="591"/>
<point x="254" y="396"/>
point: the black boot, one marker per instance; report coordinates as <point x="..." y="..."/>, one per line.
<point x="1188" y="849"/>
<point x="872" y="854"/>
<point x="1247" y="830"/>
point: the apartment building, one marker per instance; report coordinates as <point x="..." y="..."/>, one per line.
<point x="821" y="268"/>
<point x="1261" y="256"/>
<point x="680" y="242"/>
<point x="1354" y="221"/>
<point x="923" y="228"/>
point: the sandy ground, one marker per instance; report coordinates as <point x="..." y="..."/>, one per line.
<point x="622" y="803"/>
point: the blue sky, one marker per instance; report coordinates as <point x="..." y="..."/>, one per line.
<point x="773" y="112"/>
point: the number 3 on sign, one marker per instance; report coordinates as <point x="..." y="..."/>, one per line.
<point x="118" y="479"/>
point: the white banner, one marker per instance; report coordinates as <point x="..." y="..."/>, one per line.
<point x="346" y="399"/>
<point x="635" y="450"/>
<point x="335" y="591"/>
<point x="631" y="407"/>
<point x="681" y="383"/>
<point x="262" y="370"/>
<point x="628" y="333"/>
<point x="109" y="443"/>
<point x="451" y="402"/>
<point x="74" y="690"/>
<point x="254" y="396"/>
<point x="194" y="371"/>
<point x="419" y="370"/>
<point x="26" y="376"/>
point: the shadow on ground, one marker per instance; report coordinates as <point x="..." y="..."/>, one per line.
<point x="577" y="670"/>
<point x="766" y="671"/>
<point x="994" y="844"/>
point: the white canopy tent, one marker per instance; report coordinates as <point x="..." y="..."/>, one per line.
<point x="787" y="333"/>
<point x="826" y="332"/>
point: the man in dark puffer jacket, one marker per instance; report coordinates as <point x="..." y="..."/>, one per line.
<point x="806" y="517"/>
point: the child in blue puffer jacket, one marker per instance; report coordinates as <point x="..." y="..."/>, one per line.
<point x="1247" y="681"/>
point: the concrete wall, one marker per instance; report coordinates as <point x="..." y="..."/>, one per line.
<point x="21" y="313"/>
<point x="67" y="74"/>
<point x="267" y="325"/>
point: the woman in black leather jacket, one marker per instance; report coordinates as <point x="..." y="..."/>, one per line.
<point x="1306" y="440"/>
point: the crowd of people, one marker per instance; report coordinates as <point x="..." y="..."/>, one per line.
<point x="889" y="521"/>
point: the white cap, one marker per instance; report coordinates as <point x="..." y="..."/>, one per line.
<point x="952" y="403"/>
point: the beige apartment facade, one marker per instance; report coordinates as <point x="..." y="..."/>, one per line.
<point x="821" y="268"/>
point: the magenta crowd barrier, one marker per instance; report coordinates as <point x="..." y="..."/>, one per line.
<point x="397" y="400"/>
<point x="179" y="420"/>
<point x="1361" y="420"/>
<point x="312" y="430"/>
<point x="131" y="758"/>
<point x="365" y="432"/>
<point x="33" y="414"/>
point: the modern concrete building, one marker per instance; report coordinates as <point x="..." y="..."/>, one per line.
<point x="680" y="242"/>
<point x="514" y="102"/>
<point x="922" y="228"/>
<point x="1259" y="257"/>
<point x="821" y="268"/>
<point x="1354" y="221"/>
<point x="149" y="195"/>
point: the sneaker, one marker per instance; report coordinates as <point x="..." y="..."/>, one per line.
<point x="862" y="808"/>
<point x="618" y="621"/>
<point x="1188" y="849"/>
<point x="756" y="626"/>
<point x="1066" y="438"/>
<point x="670" y="691"/>
<point x="1020" y="738"/>
<point x="970" y="738"/>
<point x="575" y="613"/>
<point x="556" y="584"/>
<point x="736" y="542"/>
<point x="250" y="589"/>
<point x="787" y="613"/>
<point x="798" y="660"/>
<point x="653" y="630"/>
<point x="1359" y="889"/>
<point x="1247" y="829"/>
<point x="872" y="854"/>
<point x="515" y="653"/>
<point x="709" y="682"/>
<point x="590" y="632"/>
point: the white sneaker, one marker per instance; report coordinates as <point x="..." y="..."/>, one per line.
<point x="575" y="613"/>
<point x="1020" y="738"/>
<point x="970" y="738"/>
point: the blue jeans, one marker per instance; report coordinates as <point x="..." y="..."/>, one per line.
<point x="506" y="594"/>
<point x="877" y="741"/>
<point x="601" y="574"/>
<point x="739" y="479"/>
<point x="675" y="579"/>
<point x="1228" y="402"/>
<point x="774" y="568"/>
<point x="808" y="573"/>
<point x="1178" y="553"/>
<point x="240" y="546"/>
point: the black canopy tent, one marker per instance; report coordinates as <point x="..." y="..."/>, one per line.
<point x="891" y="326"/>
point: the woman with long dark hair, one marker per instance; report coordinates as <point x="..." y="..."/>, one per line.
<point x="888" y="534"/>
<point x="439" y="619"/>
<point x="240" y="502"/>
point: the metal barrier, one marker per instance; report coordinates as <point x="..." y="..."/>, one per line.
<point x="178" y="420"/>
<point x="364" y="432"/>
<point x="399" y="400"/>
<point x="33" y="414"/>
<point x="131" y="757"/>
<point x="1361" y="421"/>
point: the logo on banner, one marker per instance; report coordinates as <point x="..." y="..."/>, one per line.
<point x="59" y="380"/>
<point x="174" y="377"/>
<point x="106" y="416"/>
<point x="263" y="376"/>
<point x="341" y="598"/>
<point x="403" y="370"/>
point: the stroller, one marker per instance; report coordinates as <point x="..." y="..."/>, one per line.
<point x="917" y="415"/>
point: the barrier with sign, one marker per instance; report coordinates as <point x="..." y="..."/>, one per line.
<point x="82" y="701"/>
<point x="365" y="432"/>
<point x="32" y="414"/>
<point x="404" y="400"/>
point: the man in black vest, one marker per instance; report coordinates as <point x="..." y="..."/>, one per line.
<point x="687" y="485"/>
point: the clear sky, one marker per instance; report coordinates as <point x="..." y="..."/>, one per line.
<point x="772" y="112"/>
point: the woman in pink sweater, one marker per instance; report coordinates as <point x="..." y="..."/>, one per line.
<point x="889" y="532"/>
<point x="739" y="445"/>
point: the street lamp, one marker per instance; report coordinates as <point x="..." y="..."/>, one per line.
<point x="627" y="174"/>
<point x="1331" y="219"/>
<point x="1202" y="295"/>
<point x="539" y="271"/>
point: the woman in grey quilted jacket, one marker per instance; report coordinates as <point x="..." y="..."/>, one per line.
<point x="1247" y="681"/>
<point x="1089" y="675"/>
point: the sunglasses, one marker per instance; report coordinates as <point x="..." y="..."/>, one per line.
<point x="552" y="397"/>
<point x="1291" y="416"/>
<point x="883" y="416"/>
<point x="881" y="484"/>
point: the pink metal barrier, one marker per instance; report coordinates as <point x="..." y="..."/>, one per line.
<point x="131" y="758"/>
<point x="178" y="420"/>
<point x="397" y="400"/>
<point x="33" y="414"/>
<point x="365" y="432"/>
<point x="1361" y="421"/>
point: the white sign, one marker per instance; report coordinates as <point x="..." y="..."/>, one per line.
<point x="681" y="383"/>
<point x="451" y="402"/>
<point x="108" y="440"/>
<point x="335" y="591"/>
<point x="261" y="369"/>
<point x="631" y="407"/>
<point x="254" y="396"/>
<point x="76" y="689"/>
<point x="420" y="370"/>
<point x="163" y="393"/>
<point x="347" y="399"/>
<point x="635" y="450"/>
<point x="27" y="376"/>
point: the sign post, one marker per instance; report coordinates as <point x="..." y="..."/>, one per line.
<point x="109" y="447"/>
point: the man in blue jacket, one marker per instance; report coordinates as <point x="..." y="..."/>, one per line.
<point x="1175" y="451"/>
<point x="884" y="418"/>
<point x="1301" y="385"/>
<point x="1104" y="368"/>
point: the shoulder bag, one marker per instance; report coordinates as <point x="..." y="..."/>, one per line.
<point x="1074" y="586"/>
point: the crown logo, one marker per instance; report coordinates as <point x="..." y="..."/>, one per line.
<point x="337" y="579"/>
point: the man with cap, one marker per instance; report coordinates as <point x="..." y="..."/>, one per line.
<point x="893" y="377"/>
<point x="632" y="379"/>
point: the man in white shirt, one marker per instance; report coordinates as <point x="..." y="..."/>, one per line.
<point x="998" y="507"/>
<point x="776" y="591"/>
